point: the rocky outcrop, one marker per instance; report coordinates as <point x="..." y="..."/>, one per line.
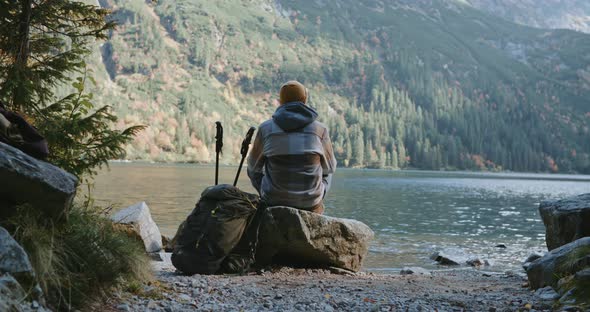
<point x="300" y="238"/>
<point x="563" y="261"/>
<point x="24" y="179"/>
<point x="566" y="220"/>
<point x="137" y="222"/>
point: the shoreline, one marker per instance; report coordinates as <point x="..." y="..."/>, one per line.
<point x="505" y="174"/>
<point x="289" y="289"/>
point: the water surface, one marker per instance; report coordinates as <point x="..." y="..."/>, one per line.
<point x="413" y="213"/>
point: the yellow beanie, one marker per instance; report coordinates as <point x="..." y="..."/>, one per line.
<point x="293" y="91"/>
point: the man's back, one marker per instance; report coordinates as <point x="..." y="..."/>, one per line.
<point x="291" y="162"/>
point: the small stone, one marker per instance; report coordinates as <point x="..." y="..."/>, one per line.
<point x="451" y="256"/>
<point x="501" y="246"/>
<point x="123" y="307"/>
<point x="184" y="297"/>
<point x="278" y="297"/>
<point x="414" y="270"/>
<point x="476" y="262"/>
<point x="547" y="294"/>
<point x="35" y="304"/>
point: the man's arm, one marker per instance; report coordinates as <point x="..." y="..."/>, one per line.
<point x="328" y="162"/>
<point x="256" y="162"/>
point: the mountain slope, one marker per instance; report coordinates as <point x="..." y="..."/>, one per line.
<point x="567" y="14"/>
<point x="428" y="84"/>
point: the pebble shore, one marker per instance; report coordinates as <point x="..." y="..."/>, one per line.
<point x="288" y="289"/>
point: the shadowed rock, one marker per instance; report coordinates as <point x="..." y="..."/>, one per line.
<point x="137" y="221"/>
<point x="565" y="260"/>
<point x="566" y="220"/>
<point x="304" y="239"/>
<point x="24" y="179"/>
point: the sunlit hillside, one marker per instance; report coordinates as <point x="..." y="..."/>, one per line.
<point x="426" y="84"/>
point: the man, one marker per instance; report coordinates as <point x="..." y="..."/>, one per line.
<point x="291" y="162"/>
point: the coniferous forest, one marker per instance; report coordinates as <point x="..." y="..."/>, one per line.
<point x="401" y="84"/>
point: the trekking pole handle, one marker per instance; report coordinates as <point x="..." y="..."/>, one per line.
<point x="247" y="141"/>
<point x="218" y="137"/>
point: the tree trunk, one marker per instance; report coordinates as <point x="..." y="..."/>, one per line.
<point x="20" y="95"/>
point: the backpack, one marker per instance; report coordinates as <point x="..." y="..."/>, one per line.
<point x="17" y="132"/>
<point x="210" y="239"/>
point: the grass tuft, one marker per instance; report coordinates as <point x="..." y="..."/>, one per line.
<point x="80" y="260"/>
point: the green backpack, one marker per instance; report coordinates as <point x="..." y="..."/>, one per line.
<point x="207" y="242"/>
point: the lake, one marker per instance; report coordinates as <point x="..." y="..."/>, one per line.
<point x="413" y="213"/>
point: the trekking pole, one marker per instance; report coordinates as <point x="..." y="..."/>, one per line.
<point x="218" y="148"/>
<point x="244" y="151"/>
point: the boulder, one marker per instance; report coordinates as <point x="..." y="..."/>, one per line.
<point x="14" y="260"/>
<point x="138" y="222"/>
<point x="565" y="260"/>
<point x="294" y="237"/>
<point x="565" y="220"/>
<point x="24" y="179"/>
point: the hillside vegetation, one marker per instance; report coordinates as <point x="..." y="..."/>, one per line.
<point x="426" y="84"/>
<point x="568" y="14"/>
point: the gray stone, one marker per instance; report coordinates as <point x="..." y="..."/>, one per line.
<point x="14" y="260"/>
<point x="547" y="294"/>
<point x="123" y="307"/>
<point x="477" y="262"/>
<point x="300" y="238"/>
<point x="167" y="243"/>
<point x="11" y="293"/>
<point x="565" y="260"/>
<point x="184" y="297"/>
<point x="450" y="256"/>
<point x="138" y="222"/>
<point x="414" y="270"/>
<point x="24" y="179"/>
<point x="566" y="220"/>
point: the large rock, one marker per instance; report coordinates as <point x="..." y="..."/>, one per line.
<point x="24" y="179"/>
<point x="563" y="261"/>
<point x="14" y="260"/>
<point x="566" y="220"/>
<point x="304" y="239"/>
<point x="139" y="223"/>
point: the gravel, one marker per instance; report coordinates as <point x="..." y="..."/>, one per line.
<point x="288" y="289"/>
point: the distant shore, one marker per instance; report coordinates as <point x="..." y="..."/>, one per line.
<point x="502" y="174"/>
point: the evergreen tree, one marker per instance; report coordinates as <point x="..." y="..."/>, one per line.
<point x="42" y="44"/>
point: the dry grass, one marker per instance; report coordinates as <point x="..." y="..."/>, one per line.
<point x="81" y="260"/>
